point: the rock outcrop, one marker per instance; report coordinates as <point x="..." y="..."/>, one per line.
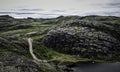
<point x="85" y="38"/>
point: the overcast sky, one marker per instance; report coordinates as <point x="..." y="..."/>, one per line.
<point x="54" y="8"/>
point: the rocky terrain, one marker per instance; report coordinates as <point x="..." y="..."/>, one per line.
<point x="85" y="38"/>
<point x="61" y="41"/>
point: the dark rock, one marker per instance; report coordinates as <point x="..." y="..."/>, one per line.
<point x="12" y="63"/>
<point x="91" y="39"/>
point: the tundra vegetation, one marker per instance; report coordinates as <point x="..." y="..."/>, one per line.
<point x="61" y="41"/>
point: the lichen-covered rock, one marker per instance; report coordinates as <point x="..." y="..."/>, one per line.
<point x="13" y="63"/>
<point x="91" y="39"/>
<point x="10" y="62"/>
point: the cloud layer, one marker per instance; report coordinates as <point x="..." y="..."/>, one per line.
<point x="54" y="8"/>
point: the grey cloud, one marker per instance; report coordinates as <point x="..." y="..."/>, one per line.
<point x="28" y="13"/>
<point x="22" y="9"/>
<point x="31" y="9"/>
<point x="15" y="13"/>
<point x="111" y="4"/>
<point x="114" y="5"/>
<point x="48" y="14"/>
<point x="6" y="12"/>
<point x="56" y="10"/>
<point x="23" y="13"/>
<point x="113" y="13"/>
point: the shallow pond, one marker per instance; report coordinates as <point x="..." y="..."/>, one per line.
<point x="97" y="67"/>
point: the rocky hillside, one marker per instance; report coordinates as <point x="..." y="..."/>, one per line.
<point x="61" y="40"/>
<point x="86" y="38"/>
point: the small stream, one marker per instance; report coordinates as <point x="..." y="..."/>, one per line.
<point x="96" y="67"/>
